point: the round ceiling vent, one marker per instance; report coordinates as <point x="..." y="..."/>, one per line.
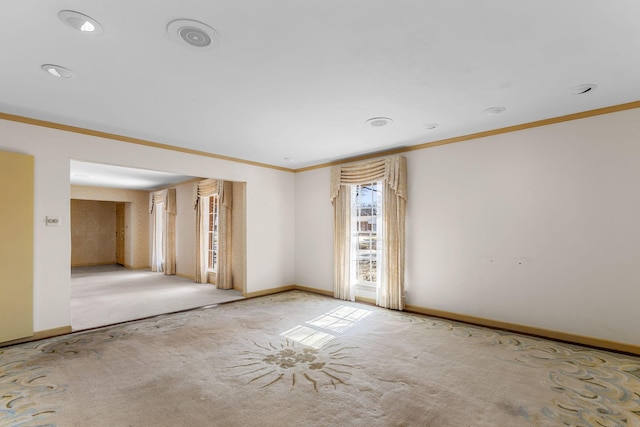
<point x="193" y="34"/>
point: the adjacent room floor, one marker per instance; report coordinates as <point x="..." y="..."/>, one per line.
<point x="110" y="294"/>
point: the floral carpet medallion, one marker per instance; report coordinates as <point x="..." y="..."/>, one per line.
<point x="293" y="363"/>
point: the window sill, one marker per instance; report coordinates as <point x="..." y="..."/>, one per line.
<point x="367" y="286"/>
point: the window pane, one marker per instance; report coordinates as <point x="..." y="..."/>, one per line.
<point x="213" y="233"/>
<point x="365" y="217"/>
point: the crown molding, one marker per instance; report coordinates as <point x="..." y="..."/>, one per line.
<point x="472" y="136"/>
<point x="478" y="135"/>
<point x="100" y="134"/>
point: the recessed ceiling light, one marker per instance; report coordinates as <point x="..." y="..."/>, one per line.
<point x="194" y="34"/>
<point x="494" y="110"/>
<point x="582" y="89"/>
<point x="430" y="126"/>
<point x="379" y="121"/>
<point x="288" y="159"/>
<point x="80" y="22"/>
<point x="58" y="71"/>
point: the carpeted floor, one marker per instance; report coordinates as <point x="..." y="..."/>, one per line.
<point x="299" y="359"/>
<point x="109" y="294"/>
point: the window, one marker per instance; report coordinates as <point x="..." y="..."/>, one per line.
<point x="369" y="231"/>
<point x="213" y="228"/>
<point x="366" y="233"/>
<point x="212" y="234"/>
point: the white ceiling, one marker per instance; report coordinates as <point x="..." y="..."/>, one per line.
<point x="298" y="79"/>
<point x="102" y="175"/>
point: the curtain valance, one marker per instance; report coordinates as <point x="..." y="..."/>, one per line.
<point x="168" y="197"/>
<point x="156" y="198"/>
<point x="392" y="170"/>
<point x="204" y="188"/>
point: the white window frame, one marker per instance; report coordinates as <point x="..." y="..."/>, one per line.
<point x="213" y="239"/>
<point x="357" y="234"/>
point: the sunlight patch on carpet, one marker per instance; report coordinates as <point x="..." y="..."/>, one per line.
<point x="308" y="336"/>
<point x="323" y="328"/>
<point x="340" y="319"/>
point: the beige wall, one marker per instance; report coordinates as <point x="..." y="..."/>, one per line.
<point x="185" y="231"/>
<point x="269" y="207"/>
<point x="537" y="227"/>
<point x="16" y="245"/>
<point x="136" y="219"/>
<point x="239" y="236"/>
<point x="93" y="232"/>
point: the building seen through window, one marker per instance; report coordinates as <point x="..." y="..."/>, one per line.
<point x="212" y="254"/>
<point x="366" y="217"/>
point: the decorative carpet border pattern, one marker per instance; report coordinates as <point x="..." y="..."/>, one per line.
<point x="301" y="359"/>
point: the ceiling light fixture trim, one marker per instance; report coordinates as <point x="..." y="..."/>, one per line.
<point x="58" y="71"/>
<point x="582" y="89"/>
<point x="193" y="34"/>
<point x="80" y="22"/>
<point x="494" y="111"/>
<point x="379" y="121"/>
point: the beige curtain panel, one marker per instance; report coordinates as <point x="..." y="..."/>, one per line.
<point x="224" y="278"/>
<point x="392" y="171"/>
<point x="169" y="230"/>
<point x="156" y="200"/>
<point x="201" y="248"/>
<point x="165" y="200"/>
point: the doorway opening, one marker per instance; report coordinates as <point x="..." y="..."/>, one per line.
<point x="117" y="285"/>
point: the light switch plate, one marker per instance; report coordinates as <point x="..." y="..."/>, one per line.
<point x="53" y="221"/>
